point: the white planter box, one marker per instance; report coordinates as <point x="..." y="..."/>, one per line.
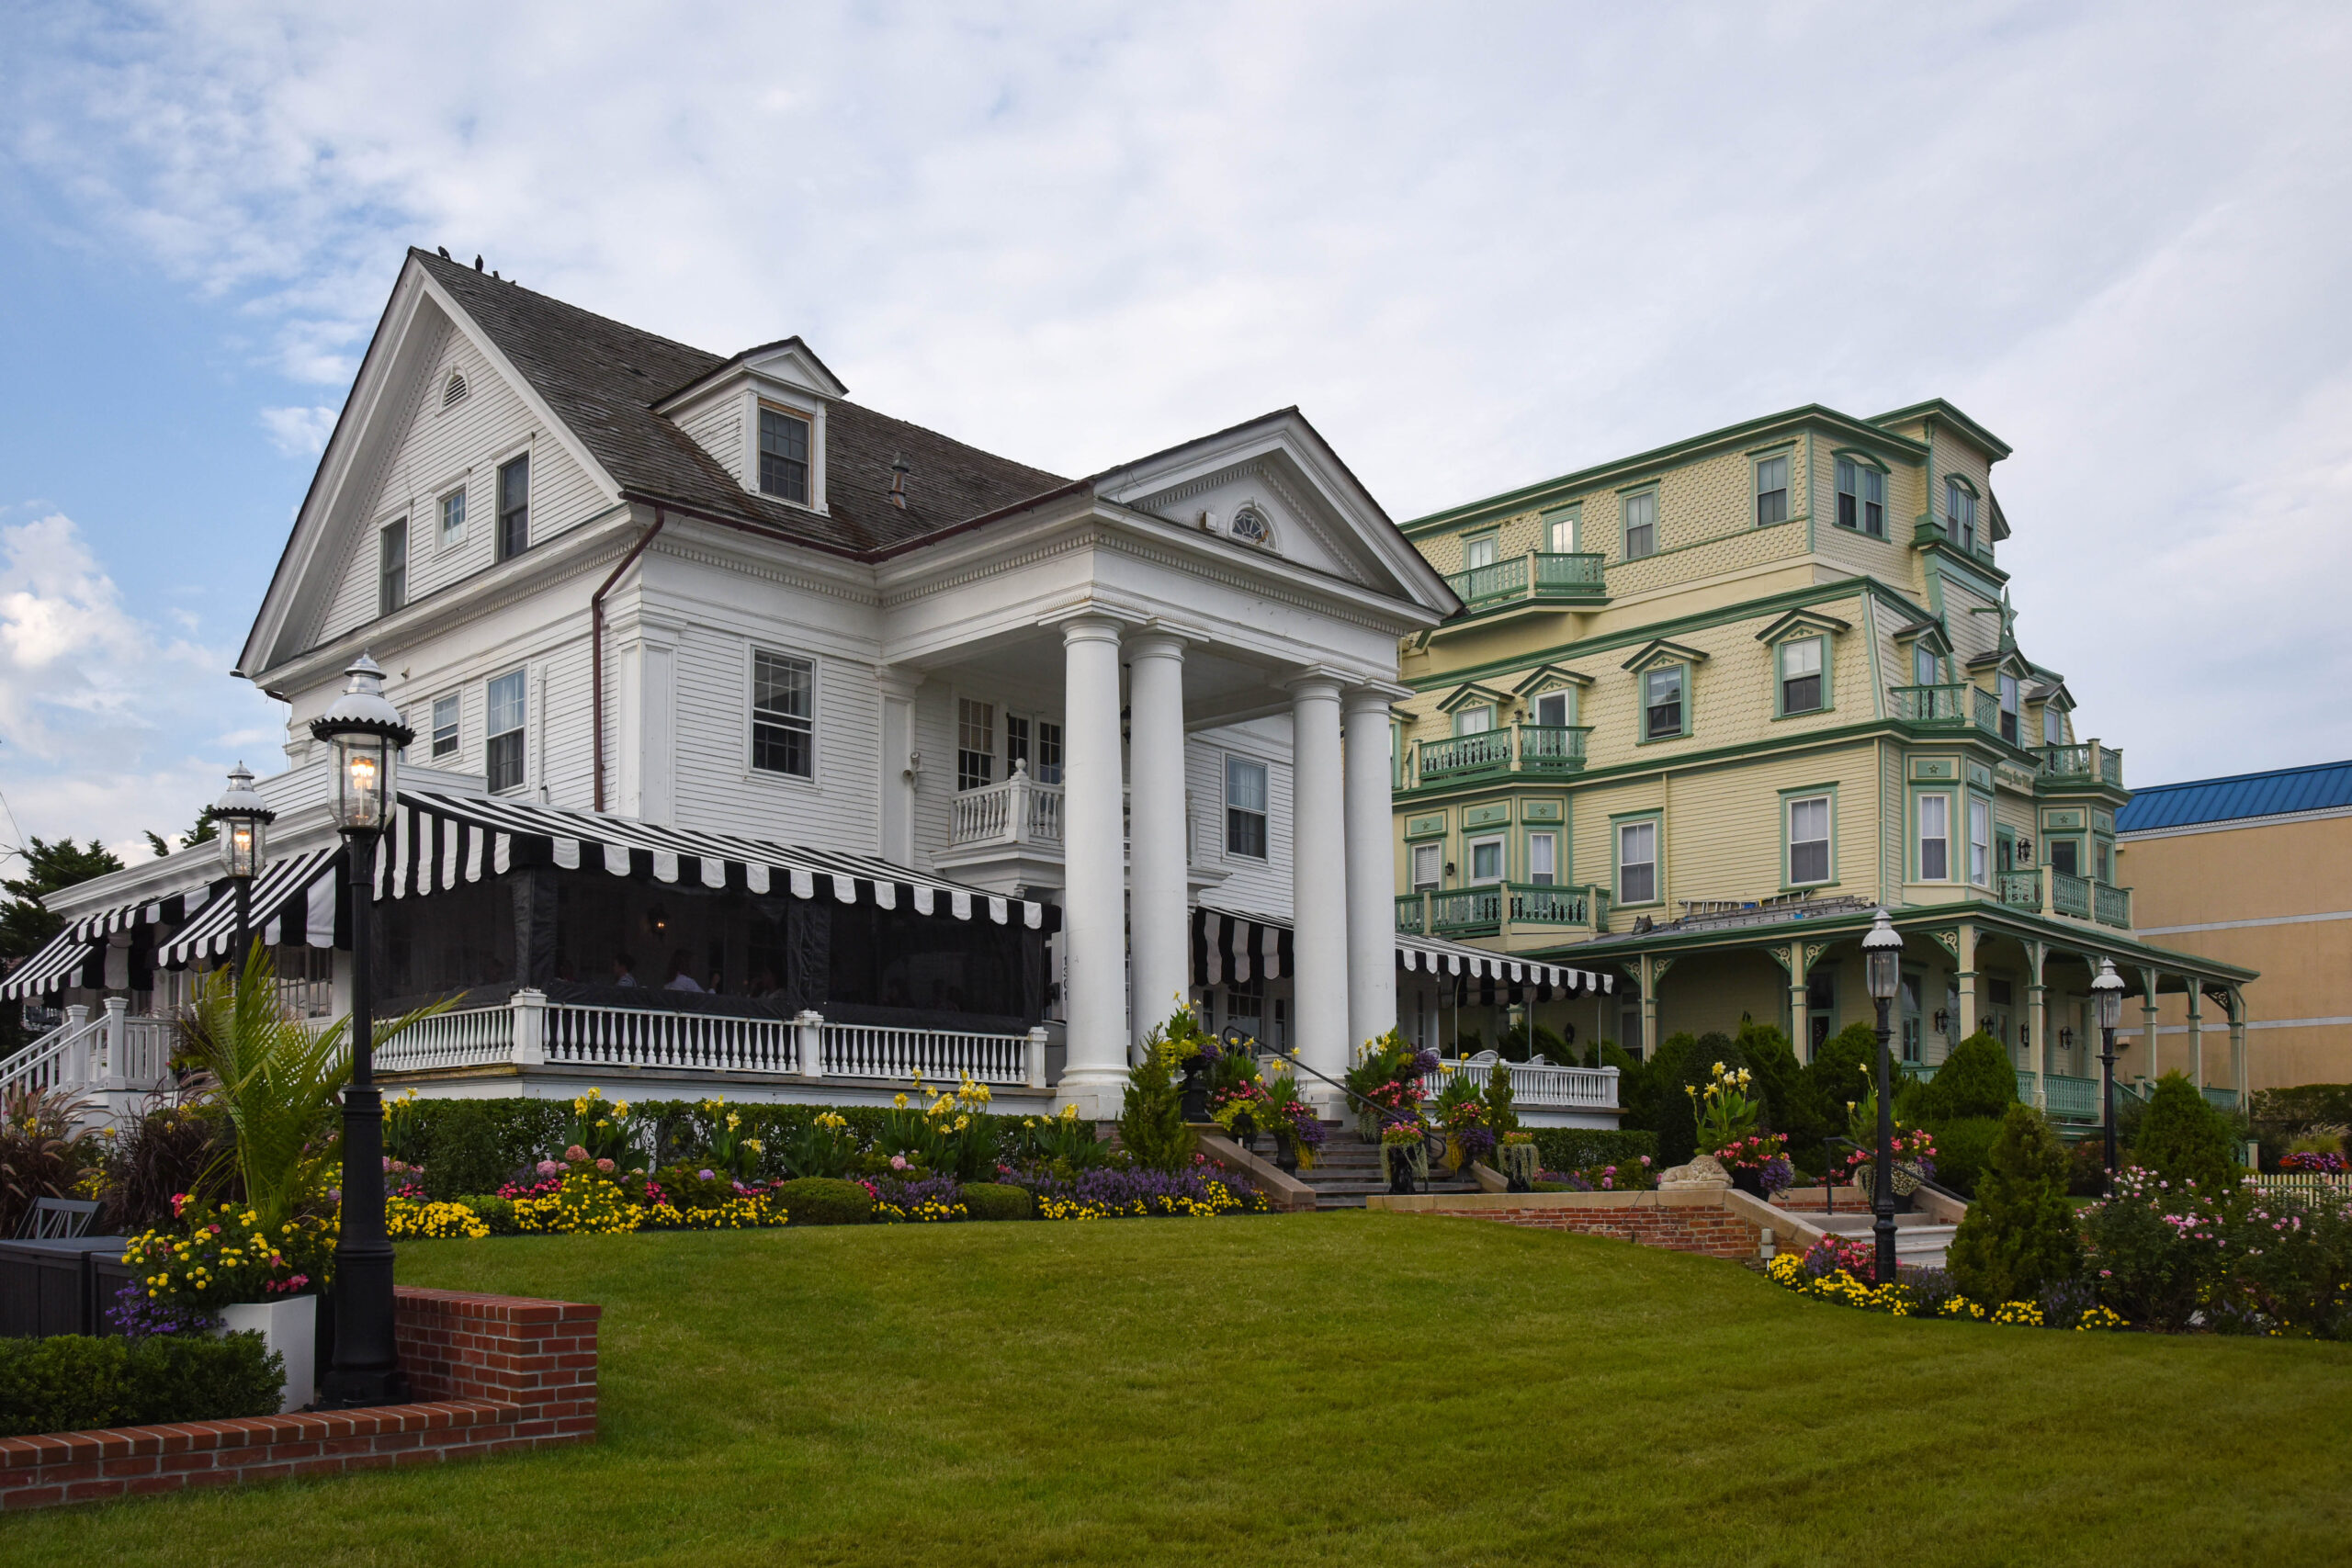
<point x="290" y="1328"/>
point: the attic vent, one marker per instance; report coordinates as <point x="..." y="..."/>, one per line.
<point x="1250" y="525"/>
<point x="454" y="392"/>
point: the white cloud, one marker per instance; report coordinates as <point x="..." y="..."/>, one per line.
<point x="299" y="433"/>
<point x="96" y="706"/>
<point x="1478" y="246"/>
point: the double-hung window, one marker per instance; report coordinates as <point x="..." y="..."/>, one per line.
<point x="514" y="507"/>
<point x="1556" y="710"/>
<point x="445" y="726"/>
<point x="1475" y="720"/>
<point x="1482" y="551"/>
<point x="2100" y="858"/>
<point x="2008" y="687"/>
<point x="1960" y="511"/>
<point x="504" y="759"/>
<point x="2065" y="855"/>
<point x="1428" y="867"/>
<point x="784" y="455"/>
<point x="1486" y="860"/>
<point x="1560" y="532"/>
<point x="1245" y="808"/>
<point x="1641" y="525"/>
<point x="392" y="567"/>
<point x="783" y="725"/>
<point x="1637" y="863"/>
<point x="1809" y="841"/>
<point x="1662" y="698"/>
<point x="453" y="519"/>
<point x="1543" y="858"/>
<point x="975" y="744"/>
<point x="1924" y="669"/>
<point x="1935" y="838"/>
<point x="1980" y="841"/>
<point x="1861" y="498"/>
<point x="1772" y="489"/>
<point x="2054" y="725"/>
<point x="1801" y="675"/>
<point x="1048" y="767"/>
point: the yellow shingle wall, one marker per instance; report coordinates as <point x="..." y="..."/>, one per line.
<point x="1722" y="834"/>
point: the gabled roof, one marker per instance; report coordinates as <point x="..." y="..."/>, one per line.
<point x="1544" y="675"/>
<point x="2318" y="787"/>
<point x="1802" y="620"/>
<point x="601" y="378"/>
<point x="1661" y="650"/>
<point x="1472" y="695"/>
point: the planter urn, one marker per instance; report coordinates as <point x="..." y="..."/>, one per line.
<point x="289" y="1325"/>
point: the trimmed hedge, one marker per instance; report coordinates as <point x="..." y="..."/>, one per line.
<point x="822" y="1201"/>
<point x="496" y="1212"/>
<point x="1573" y="1148"/>
<point x="74" y="1384"/>
<point x="996" y="1200"/>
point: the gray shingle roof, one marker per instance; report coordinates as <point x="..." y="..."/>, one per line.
<point x="600" y="378"/>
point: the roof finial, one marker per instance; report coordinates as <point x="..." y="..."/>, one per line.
<point x="477" y="262"/>
<point x="899" y="469"/>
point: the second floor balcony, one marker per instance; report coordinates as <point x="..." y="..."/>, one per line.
<point x="1540" y="577"/>
<point x="2046" y="890"/>
<point x="2087" y="763"/>
<point x="1957" y="704"/>
<point x="1537" y="749"/>
<point x="1501" y="909"/>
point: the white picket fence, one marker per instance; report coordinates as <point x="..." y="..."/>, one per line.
<point x="531" y="1031"/>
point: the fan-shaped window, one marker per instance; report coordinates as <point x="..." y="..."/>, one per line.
<point x="453" y="391"/>
<point x="1249" y="526"/>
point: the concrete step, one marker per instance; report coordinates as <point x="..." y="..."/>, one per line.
<point x="1918" y="1240"/>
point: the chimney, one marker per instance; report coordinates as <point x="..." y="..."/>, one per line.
<point x="899" y="472"/>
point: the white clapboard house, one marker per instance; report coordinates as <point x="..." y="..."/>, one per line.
<point x="768" y="745"/>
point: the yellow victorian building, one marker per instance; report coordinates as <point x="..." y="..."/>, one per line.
<point x="1707" y="706"/>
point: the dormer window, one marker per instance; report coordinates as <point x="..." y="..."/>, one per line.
<point x="1960" y="511"/>
<point x="784" y="456"/>
<point x="453" y="390"/>
<point x="1249" y="526"/>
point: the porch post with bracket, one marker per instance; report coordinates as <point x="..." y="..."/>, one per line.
<point x="1653" y="971"/>
<point x="1156" y="846"/>
<point x="899" y="777"/>
<point x="1800" y="1004"/>
<point x="2037" y="1007"/>
<point x="1966" y="976"/>
<point x="2236" y="1004"/>
<point x="1094" y="915"/>
<point x="2197" y="1034"/>
<point x="1318" y="870"/>
<point x="1372" y="870"/>
<point x="2150" y="980"/>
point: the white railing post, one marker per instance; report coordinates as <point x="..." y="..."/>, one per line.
<point x="530" y="1009"/>
<point x="106" y="1057"/>
<point x="1037" y="1057"/>
<point x="69" y="1066"/>
<point x="1611" y="1073"/>
<point x="808" y="1042"/>
<point x="1016" y="814"/>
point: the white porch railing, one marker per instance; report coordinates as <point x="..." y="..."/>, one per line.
<point x="106" y="1062"/>
<point x="532" y="1031"/>
<point x="64" y="1057"/>
<point x="1539" y="1085"/>
<point x="1018" y="811"/>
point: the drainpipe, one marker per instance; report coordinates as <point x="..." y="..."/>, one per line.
<point x="597" y="648"/>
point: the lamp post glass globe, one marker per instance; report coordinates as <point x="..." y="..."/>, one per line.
<point x="1882" y="953"/>
<point x="243" y="818"/>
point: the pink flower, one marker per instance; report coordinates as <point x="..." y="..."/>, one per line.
<point x="604" y="1165"/>
<point x="897" y="1162"/>
<point x="549" y="1167"/>
<point x="703" y="1174"/>
<point x="575" y="1153"/>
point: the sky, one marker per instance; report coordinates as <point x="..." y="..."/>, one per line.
<point x="1477" y="244"/>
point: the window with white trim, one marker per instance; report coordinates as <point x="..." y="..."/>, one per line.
<point x="1662" y="706"/>
<point x="1245" y="808"/>
<point x="1935" y="838"/>
<point x="975" y="744"/>
<point x="1772" y="489"/>
<point x="1641" y="525"/>
<point x="1428" y="867"/>
<point x="392" y="567"/>
<point x="1636" y="862"/>
<point x="1486" y="860"/>
<point x="1483" y="550"/>
<point x="1809" y="841"/>
<point x="1960" y="514"/>
<point x="1474" y="720"/>
<point x="784" y="456"/>
<point x="1555" y="709"/>
<point x="453" y="519"/>
<point x="508" y="706"/>
<point x="1861" y="498"/>
<point x="783" y="714"/>
<point x="2008" y="689"/>
<point x="445" y="726"/>
<point x="1543" y="858"/>
<point x="1980" y="841"/>
<point x="1800" y="686"/>
<point x="1249" y="526"/>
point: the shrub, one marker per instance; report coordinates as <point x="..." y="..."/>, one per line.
<point x="826" y="1201"/>
<point x="1684" y="1062"/>
<point x="586" y="1203"/>
<point x="41" y="1154"/>
<point x="2020" y="1235"/>
<point x="1975" y="1080"/>
<point x="1791" y="1107"/>
<point x="72" y="1383"/>
<point x="2182" y="1138"/>
<point x="1840" y="1071"/>
<point x="466" y="1154"/>
<point x="996" y="1200"/>
<point x="2086" y="1167"/>
<point x="694" y="1186"/>
<point x="496" y="1212"/>
<point x="1151" y="1118"/>
<point x="1574" y="1149"/>
<point x="158" y="1155"/>
<point x="431" y="1220"/>
<point x="1962" y="1148"/>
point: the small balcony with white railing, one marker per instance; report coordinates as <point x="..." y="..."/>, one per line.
<point x="1538" y="1086"/>
<point x="1010" y="834"/>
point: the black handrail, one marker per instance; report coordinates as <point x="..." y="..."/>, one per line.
<point x="1927" y="1181"/>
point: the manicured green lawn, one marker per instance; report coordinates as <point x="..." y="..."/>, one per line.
<point x="1353" y="1388"/>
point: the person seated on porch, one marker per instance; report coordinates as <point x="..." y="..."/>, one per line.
<point x="764" y="985"/>
<point x="679" y="980"/>
<point x="624" y="970"/>
<point x="564" y="971"/>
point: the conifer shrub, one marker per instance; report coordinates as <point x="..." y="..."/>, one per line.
<point x="2182" y="1138"/>
<point x="825" y="1201"/>
<point x="2020" y="1235"/>
<point x="1842" y="1071"/>
<point x="1962" y="1148"/>
<point x="1151" y="1118"/>
<point x="1975" y="1080"/>
<point x="997" y="1200"/>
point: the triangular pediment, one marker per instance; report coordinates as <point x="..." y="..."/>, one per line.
<point x="1664" y="651"/>
<point x="1803" y="623"/>
<point x="1473" y="695"/>
<point x="1550" y="677"/>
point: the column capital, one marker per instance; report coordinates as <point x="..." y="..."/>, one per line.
<point x="1090" y="628"/>
<point x="1156" y="641"/>
<point x="1316" y="682"/>
<point x="1373" y="696"/>
<point x="899" y="680"/>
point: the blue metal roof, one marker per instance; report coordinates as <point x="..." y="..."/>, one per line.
<point x="2315" y="787"/>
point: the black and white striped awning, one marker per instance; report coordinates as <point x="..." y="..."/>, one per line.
<point x="440" y="841"/>
<point x="1230" y="949"/>
<point x="292" y="904"/>
<point x="76" y="955"/>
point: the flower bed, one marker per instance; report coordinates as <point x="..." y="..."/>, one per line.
<point x="1842" y="1269"/>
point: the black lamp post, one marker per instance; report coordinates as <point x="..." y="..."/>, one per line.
<point x="1883" y="955"/>
<point x="364" y="735"/>
<point x="244" y="819"/>
<point x="2106" y="998"/>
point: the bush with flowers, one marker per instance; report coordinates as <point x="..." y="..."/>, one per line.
<point x="1297" y="1126"/>
<point x="2233" y="1260"/>
<point x="226" y="1254"/>
<point x="585" y="1202"/>
<point x="1635" y="1175"/>
<point x="1724" y="1110"/>
<point x="1842" y="1269"/>
<point x="1387" y="1083"/>
<point x="2327" y="1162"/>
<point x="1461" y="1112"/>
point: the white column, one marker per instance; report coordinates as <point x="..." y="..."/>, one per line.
<point x="1372" y="871"/>
<point x="1094" y="915"/>
<point x="1318" y="871"/>
<point x="1155" y="848"/>
<point x="2197" y="1032"/>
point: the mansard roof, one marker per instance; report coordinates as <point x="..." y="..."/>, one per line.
<point x="601" y="378"/>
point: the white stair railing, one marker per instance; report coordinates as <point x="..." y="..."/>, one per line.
<point x="64" y="1058"/>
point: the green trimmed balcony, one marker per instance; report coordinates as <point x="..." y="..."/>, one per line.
<point x="2047" y="890"/>
<point x="1954" y="706"/>
<point x="2087" y="764"/>
<point x="1540" y="577"/>
<point x="1542" y="749"/>
<point x="1500" y="908"/>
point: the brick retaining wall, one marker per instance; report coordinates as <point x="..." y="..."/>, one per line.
<point x="1708" y="1221"/>
<point x="492" y="1373"/>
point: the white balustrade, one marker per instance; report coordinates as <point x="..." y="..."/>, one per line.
<point x="1018" y="811"/>
<point x="468" y="1037"/>
<point x="939" y="1055"/>
<point x="642" y="1037"/>
<point x="62" y="1059"/>
<point x="1539" y="1085"/>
